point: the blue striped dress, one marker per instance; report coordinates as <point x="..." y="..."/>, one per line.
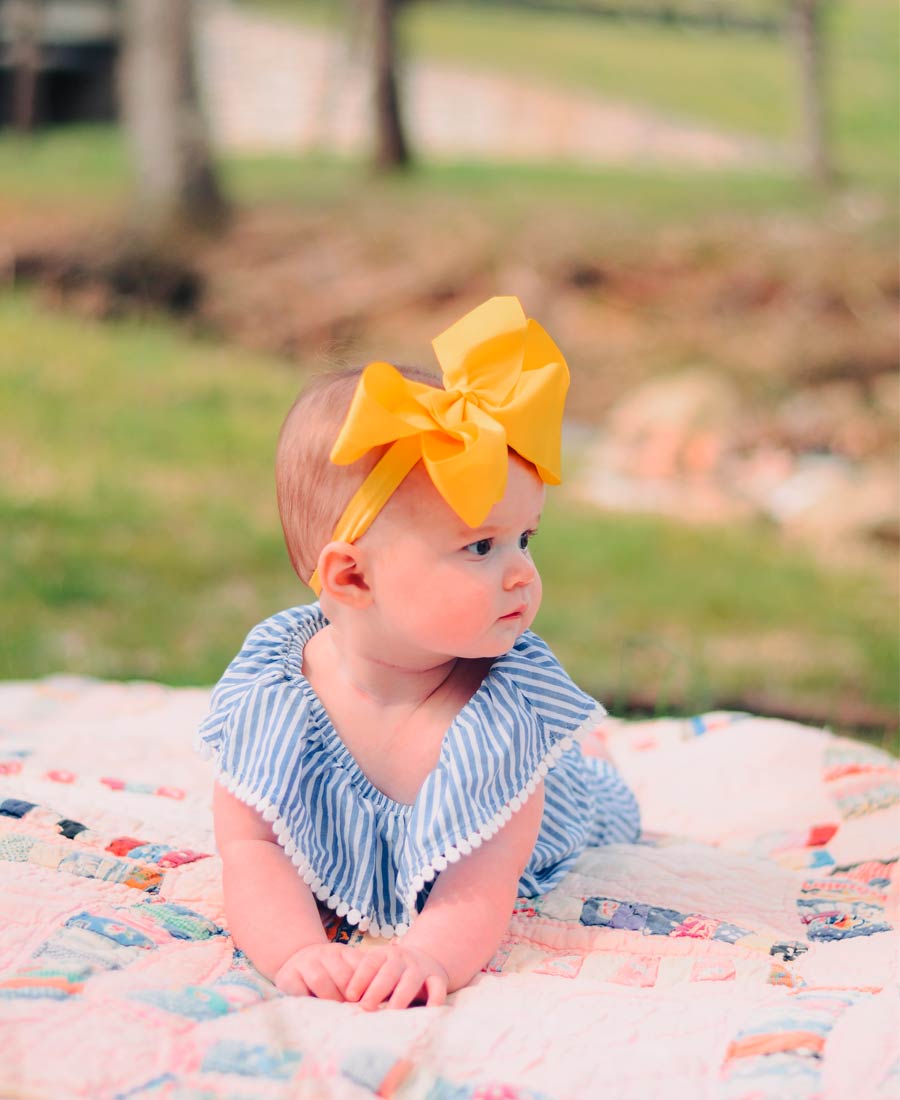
<point x="372" y="859"/>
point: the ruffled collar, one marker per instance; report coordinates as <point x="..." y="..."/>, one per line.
<point x="525" y="714"/>
<point x="507" y="668"/>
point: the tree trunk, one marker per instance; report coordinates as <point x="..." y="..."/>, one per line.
<point x="391" y="148"/>
<point x="24" y="20"/>
<point x="806" y="17"/>
<point x="175" y="181"/>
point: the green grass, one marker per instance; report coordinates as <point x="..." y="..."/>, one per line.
<point x="670" y="70"/>
<point x="135" y="497"/>
<point x="141" y="540"/>
<point x="739" y="82"/>
<point x="508" y="191"/>
<point x="85" y="169"/>
<point x="70" y="166"/>
<point x="645" y="606"/>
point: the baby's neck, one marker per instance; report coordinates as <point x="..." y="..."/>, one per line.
<point x="371" y="679"/>
<point x="391" y="718"/>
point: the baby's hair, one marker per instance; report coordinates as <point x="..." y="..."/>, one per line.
<point x="312" y="491"/>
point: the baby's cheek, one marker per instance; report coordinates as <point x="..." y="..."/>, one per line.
<point x="463" y="606"/>
<point x="534" y="602"/>
<point x="461" y="616"/>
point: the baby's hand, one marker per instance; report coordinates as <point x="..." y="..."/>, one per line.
<point x="318" y="970"/>
<point x="398" y="975"/>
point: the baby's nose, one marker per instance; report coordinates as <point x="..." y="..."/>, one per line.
<point x="520" y="571"/>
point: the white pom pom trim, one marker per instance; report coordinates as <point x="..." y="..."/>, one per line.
<point x="321" y="890"/>
<point x="475" y="839"/>
<point x="461" y="847"/>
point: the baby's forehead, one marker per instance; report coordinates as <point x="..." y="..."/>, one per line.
<point x="418" y="504"/>
<point x="416" y="501"/>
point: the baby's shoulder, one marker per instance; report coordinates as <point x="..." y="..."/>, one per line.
<point x="531" y="648"/>
<point x="275" y="646"/>
<point x="531" y="661"/>
<point x="264" y="680"/>
<point x="530" y="678"/>
<point x="293" y="625"/>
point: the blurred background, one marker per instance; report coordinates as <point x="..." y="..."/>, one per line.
<point x="201" y="203"/>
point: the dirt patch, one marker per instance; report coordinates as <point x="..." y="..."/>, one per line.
<point x="776" y="312"/>
<point x="797" y="322"/>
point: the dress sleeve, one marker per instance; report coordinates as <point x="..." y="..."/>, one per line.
<point x="251" y="698"/>
<point x="563" y="708"/>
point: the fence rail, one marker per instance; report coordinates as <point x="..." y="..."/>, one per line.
<point x="765" y="19"/>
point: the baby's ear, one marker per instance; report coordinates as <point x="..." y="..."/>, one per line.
<point x="342" y="573"/>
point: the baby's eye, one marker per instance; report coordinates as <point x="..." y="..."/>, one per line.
<point x="525" y="538"/>
<point x="480" y="548"/>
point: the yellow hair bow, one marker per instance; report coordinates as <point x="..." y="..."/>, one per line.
<point x="505" y="385"/>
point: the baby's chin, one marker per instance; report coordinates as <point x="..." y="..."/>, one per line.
<point x="496" y="647"/>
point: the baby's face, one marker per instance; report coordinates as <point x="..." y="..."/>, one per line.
<point x="442" y="589"/>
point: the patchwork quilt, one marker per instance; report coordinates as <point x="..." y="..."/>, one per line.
<point x="746" y="949"/>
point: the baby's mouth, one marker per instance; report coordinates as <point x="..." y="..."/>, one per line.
<point x="517" y="614"/>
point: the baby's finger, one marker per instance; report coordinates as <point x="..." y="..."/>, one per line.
<point x="407" y="989"/>
<point x="320" y="982"/>
<point x="363" y="974"/>
<point x="289" y="981"/>
<point x="382" y="985"/>
<point x="324" y="986"/>
<point x="340" y="970"/>
<point x="435" y="990"/>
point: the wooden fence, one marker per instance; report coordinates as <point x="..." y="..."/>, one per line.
<point x="772" y="18"/>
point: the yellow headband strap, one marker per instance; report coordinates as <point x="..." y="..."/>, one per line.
<point x="505" y="384"/>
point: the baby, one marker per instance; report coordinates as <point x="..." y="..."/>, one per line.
<point x="405" y="750"/>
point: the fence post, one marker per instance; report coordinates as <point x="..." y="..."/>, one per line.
<point x="24" y="21"/>
<point x="809" y="49"/>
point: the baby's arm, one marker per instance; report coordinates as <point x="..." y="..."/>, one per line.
<point x="271" y="911"/>
<point x="463" y="920"/>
